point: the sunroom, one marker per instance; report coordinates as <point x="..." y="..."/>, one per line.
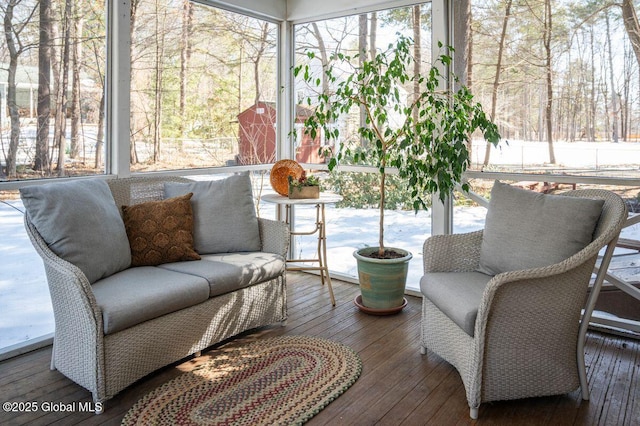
<point x="206" y="90"/>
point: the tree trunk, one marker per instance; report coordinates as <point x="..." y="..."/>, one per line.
<point x="256" y="63"/>
<point x="591" y="126"/>
<point x="157" y="122"/>
<point x="496" y="79"/>
<point x="240" y="76"/>
<point x="185" y="55"/>
<point x="549" y="104"/>
<point x="469" y="62"/>
<point x="133" y="155"/>
<point x="60" y="136"/>
<point x="417" y="55"/>
<point x="324" y="58"/>
<point x="373" y="36"/>
<point x="100" y="135"/>
<point x="76" y="59"/>
<point x="624" y="101"/>
<point x="362" y="57"/>
<point x="614" y="93"/>
<point x="632" y="26"/>
<point x="14" y="113"/>
<point x="41" y="160"/>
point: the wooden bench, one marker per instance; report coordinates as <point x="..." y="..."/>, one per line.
<point x="545" y="187"/>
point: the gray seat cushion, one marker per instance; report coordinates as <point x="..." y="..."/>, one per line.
<point x="230" y="272"/>
<point x="456" y="294"/>
<point x="80" y="222"/>
<point x="224" y="214"/>
<point x="142" y="293"/>
<point x="526" y="229"/>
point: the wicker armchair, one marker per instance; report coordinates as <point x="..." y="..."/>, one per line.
<point x="106" y="364"/>
<point x="527" y="339"/>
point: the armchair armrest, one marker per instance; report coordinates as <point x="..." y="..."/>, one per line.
<point x="452" y="253"/>
<point x="274" y="236"/>
<point x="78" y="338"/>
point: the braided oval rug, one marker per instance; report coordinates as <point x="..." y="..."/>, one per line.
<point x="275" y="381"/>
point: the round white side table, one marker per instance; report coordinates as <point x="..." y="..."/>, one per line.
<point x="320" y="229"/>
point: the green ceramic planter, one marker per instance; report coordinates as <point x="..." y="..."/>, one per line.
<point x="382" y="281"/>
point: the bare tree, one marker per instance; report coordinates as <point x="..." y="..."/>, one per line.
<point x="133" y="154"/>
<point x="362" y="57"/>
<point x="417" y="53"/>
<point x="158" y="89"/>
<point x="632" y="26"/>
<point x="263" y="44"/>
<point x="76" y="59"/>
<point x="614" y="92"/>
<point x="100" y="135"/>
<point x="324" y="56"/>
<point x="373" y="35"/>
<point x="12" y="32"/>
<point x="548" y="111"/>
<point x="496" y="80"/>
<point x="59" y="132"/>
<point x="591" y="115"/>
<point x="42" y="159"/>
<point x="185" y="56"/>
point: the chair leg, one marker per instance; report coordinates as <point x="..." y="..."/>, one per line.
<point x="52" y="367"/>
<point x="423" y="350"/>
<point x="473" y="413"/>
<point x="586" y="317"/>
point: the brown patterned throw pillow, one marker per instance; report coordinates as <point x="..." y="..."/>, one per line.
<point x="160" y="231"/>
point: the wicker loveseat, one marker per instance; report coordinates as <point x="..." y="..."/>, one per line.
<point x="114" y="330"/>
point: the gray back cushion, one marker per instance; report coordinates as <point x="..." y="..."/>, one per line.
<point x="80" y="222"/>
<point x="224" y="214"/>
<point x="526" y="229"/>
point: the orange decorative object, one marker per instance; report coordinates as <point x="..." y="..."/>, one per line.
<point x="280" y="175"/>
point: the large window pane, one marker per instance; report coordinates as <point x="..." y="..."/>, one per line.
<point x="52" y="64"/>
<point x="203" y="87"/>
<point x="566" y="99"/>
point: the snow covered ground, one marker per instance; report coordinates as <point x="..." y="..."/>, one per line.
<point x="25" y="305"/>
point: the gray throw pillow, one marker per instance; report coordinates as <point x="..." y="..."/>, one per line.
<point x="224" y="214"/>
<point x="526" y="229"/>
<point x="80" y="222"/>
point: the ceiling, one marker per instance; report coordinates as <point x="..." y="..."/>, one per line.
<point x="309" y="10"/>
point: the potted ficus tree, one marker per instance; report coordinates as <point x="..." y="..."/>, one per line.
<point x="425" y="136"/>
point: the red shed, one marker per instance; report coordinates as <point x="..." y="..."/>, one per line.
<point x="257" y="128"/>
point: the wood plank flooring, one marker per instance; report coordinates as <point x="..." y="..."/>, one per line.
<point x="397" y="385"/>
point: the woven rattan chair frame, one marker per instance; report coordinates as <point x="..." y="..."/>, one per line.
<point x="528" y="338"/>
<point x="106" y="364"/>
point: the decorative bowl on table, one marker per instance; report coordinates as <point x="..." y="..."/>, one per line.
<point x="280" y="173"/>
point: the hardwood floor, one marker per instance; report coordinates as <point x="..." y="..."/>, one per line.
<point x="397" y="385"/>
